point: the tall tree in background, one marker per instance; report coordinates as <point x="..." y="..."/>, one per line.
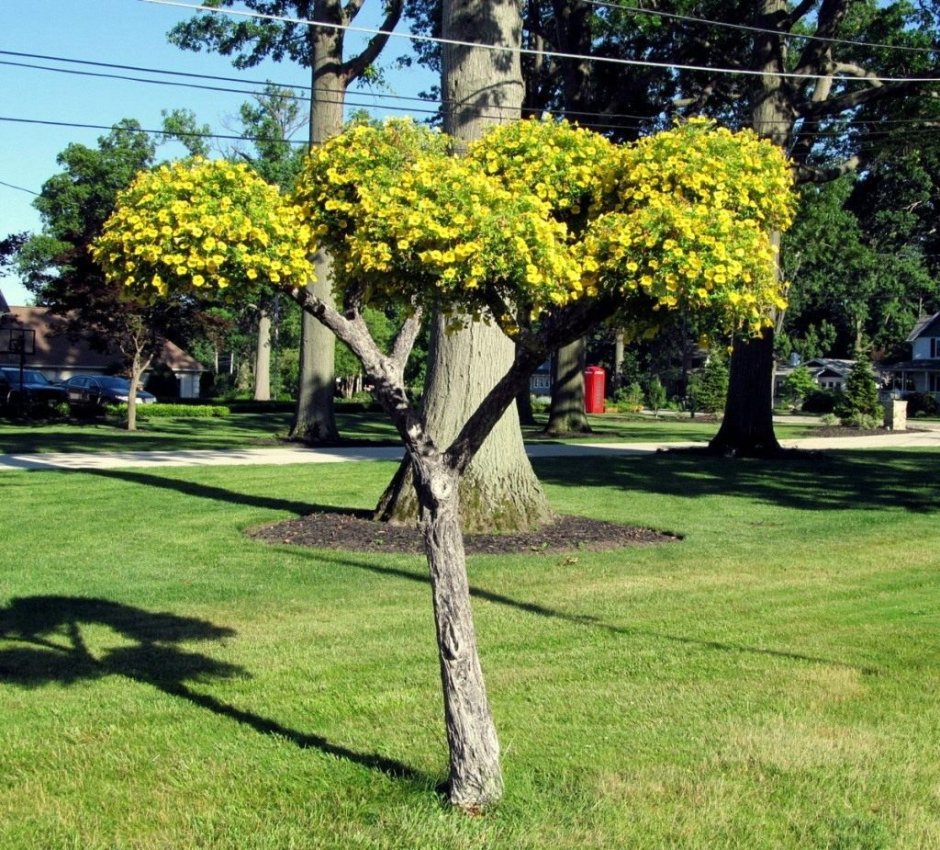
<point x="481" y="87"/>
<point x="321" y="49"/>
<point x="815" y="73"/>
<point x="58" y="269"/>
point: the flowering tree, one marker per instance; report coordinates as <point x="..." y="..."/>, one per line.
<point x="543" y="229"/>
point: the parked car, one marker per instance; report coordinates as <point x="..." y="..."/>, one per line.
<point x="33" y="391"/>
<point x="91" y="393"/>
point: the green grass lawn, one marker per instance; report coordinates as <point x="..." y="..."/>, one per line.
<point x="239" y="430"/>
<point x="769" y="681"/>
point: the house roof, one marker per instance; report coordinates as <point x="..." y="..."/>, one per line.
<point x="927" y="326"/>
<point x="4" y="307"/>
<point x="924" y="365"/>
<point x="57" y="348"/>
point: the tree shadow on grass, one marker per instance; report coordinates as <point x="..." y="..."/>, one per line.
<point x="47" y="644"/>
<point x="831" y="480"/>
<point x="221" y="494"/>
<point x="588" y="620"/>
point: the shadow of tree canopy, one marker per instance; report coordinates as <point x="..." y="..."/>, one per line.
<point x="843" y="480"/>
<point x="48" y="645"/>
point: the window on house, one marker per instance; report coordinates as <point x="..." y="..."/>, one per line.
<point x="934" y="347"/>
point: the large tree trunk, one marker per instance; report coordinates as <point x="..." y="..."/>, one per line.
<point x="500" y="490"/>
<point x="748" y="426"/>
<point x="475" y="778"/>
<point x="263" y="357"/>
<point x="315" y="416"/>
<point x="567" y="411"/>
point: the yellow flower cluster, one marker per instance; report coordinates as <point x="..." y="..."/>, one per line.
<point x="571" y="169"/>
<point x="203" y="225"/>
<point x="404" y="219"/>
<point x="538" y="214"/>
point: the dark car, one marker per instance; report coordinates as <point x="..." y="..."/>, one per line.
<point x="27" y="389"/>
<point x="91" y="393"/>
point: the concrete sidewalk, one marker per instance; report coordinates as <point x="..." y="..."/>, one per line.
<point x="284" y="455"/>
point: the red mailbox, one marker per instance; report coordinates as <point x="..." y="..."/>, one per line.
<point x="594" y="381"/>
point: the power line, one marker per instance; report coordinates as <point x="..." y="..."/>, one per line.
<point x="671" y="66"/>
<point x="189" y="134"/>
<point x="193" y="75"/>
<point x="748" y="28"/>
<point x="18" y="188"/>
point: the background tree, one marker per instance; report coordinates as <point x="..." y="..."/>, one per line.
<point x="410" y="224"/>
<point x="482" y="88"/>
<point x="59" y="270"/>
<point x="321" y="49"/>
<point x="859" y="404"/>
<point x="798" y="385"/>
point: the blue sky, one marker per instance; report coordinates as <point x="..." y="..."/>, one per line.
<point x="121" y="32"/>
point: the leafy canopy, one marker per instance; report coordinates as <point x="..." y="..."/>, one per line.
<point x="555" y="215"/>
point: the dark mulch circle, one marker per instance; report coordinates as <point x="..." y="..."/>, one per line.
<point x="356" y="533"/>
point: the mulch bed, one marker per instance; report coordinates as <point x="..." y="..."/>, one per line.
<point x="356" y="533"/>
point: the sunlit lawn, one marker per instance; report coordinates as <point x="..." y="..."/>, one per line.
<point x="239" y="430"/>
<point x="769" y="681"/>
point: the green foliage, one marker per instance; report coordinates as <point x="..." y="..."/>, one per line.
<point x="860" y="397"/>
<point x="798" y="385"/>
<point x="708" y="387"/>
<point x="656" y="395"/>
<point x="162" y="410"/>
<point x="631" y="398"/>
<point x="820" y="401"/>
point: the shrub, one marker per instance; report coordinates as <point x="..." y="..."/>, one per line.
<point x="860" y="397"/>
<point x="820" y="401"/>
<point x="165" y="411"/>
<point x="798" y="385"/>
<point x="921" y="404"/>
<point x="708" y="388"/>
<point x="656" y="395"/>
<point x="630" y="399"/>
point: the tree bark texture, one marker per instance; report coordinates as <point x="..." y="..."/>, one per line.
<point x="475" y="777"/>
<point x="263" y="357"/>
<point x="500" y="490"/>
<point x="747" y="427"/>
<point x="567" y="411"/>
<point x="315" y="416"/>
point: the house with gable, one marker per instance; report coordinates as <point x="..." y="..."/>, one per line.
<point x="920" y="374"/>
<point x="59" y="354"/>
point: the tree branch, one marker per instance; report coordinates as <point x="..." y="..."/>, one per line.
<point x="356" y="66"/>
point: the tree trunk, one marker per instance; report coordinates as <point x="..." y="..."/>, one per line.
<point x="616" y="378"/>
<point x="567" y="411"/>
<point x="263" y="357"/>
<point x="747" y="427"/>
<point x="500" y="490"/>
<point x="475" y="778"/>
<point x="138" y="365"/>
<point x="315" y="416"/>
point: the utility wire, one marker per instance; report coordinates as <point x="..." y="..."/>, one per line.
<point x="193" y="75"/>
<point x="672" y="66"/>
<point x="748" y="28"/>
<point x="18" y="188"/>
